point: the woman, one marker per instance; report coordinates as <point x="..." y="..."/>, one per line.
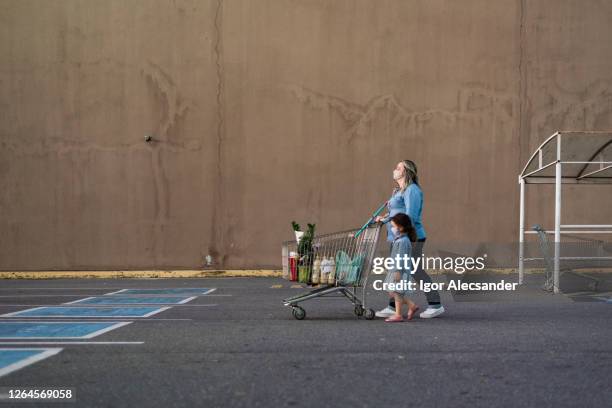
<point x="407" y="198"/>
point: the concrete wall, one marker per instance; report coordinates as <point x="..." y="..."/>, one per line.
<point x="272" y="110"/>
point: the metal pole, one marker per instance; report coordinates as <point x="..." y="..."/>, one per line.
<point x="557" y="217"/>
<point x="521" y="230"/>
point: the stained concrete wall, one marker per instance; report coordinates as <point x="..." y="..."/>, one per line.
<point x="267" y="111"/>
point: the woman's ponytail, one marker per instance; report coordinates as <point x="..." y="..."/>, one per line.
<point x="411" y="172"/>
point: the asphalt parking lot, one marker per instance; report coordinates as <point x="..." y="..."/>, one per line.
<point x="237" y="346"/>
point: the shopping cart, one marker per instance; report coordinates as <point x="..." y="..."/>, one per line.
<point x="581" y="281"/>
<point x="338" y="263"/>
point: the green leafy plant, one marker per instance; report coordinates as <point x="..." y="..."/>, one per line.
<point x="305" y="245"/>
<point x="296" y="226"/>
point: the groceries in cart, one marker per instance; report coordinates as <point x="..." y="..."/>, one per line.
<point x="301" y="257"/>
<point x="328" y="271"/>
<point x="324" y="260"/>
<point x="329" y="259"/>
<point x="338" y="264"/>
<point x="340" y="267"/>
<point x="347" y="268"/>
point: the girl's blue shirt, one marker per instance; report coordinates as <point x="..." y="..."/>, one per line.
<point x="409" y="202"/>
<point x="401" y="246"/>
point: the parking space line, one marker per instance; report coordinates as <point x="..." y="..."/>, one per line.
<point x="14" y="363"/>
<point x="41" y="328"/>
<point x="83" y="343"/>
<point x="163" y="291"/>
<point x="116" y="292"/>
<point x="44" y="295"/>
<point x="94" y="305"/>
<point x="79" y="300"/>
<point x="20" y="311"/>
<point x="94" y="295"/>
<point x="89" y="319"/>
<point x="80" y="312"/>
<point x="56" y="288"/>
<point x="132" y="300"/>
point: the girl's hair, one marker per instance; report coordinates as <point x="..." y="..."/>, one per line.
<point x="404" y="222"/>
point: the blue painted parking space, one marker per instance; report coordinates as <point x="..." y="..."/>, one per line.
<point x="127" y="300"/>
<point x="166" y="291"/>
<point x="66" y="311"/>
<point x="63" y="330"/>
<point x="14" y="359"/>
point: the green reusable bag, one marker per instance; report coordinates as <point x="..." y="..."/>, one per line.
<point x="347" y="269"/>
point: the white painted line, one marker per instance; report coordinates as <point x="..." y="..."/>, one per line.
<point x="101" y="287"/>
<point x="92" y="319"/>
<point x="118" y="291"/>
<point x="19" y="343"/>
<point x="79" y="300"/>
<point x="98" y="305"/>
<point x="35" y="296"/>
<point x="154" y="312"/>
<point x="145" y="295"/>
<point x="29" y="360"/>
<point x="105" y="330"/>
<point x="19" y="311"/>
<point x="219" y="295"/>
<point x="211" y="290"/>
<point x="131" y="304"/>
<point x="88" y="336"/>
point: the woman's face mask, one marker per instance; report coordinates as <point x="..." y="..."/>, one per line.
<point x="397" y="174"/>
<point x="394" y="230"/>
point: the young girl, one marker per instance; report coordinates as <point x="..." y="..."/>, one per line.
<point x="403" y="232"/>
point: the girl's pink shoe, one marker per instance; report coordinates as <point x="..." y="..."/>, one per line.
<point x="411" y="313"/>
<point x="394" y="319"/>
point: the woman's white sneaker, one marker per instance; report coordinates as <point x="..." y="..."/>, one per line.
<point x="431" y="312"/>
<point x="386" y="312"/>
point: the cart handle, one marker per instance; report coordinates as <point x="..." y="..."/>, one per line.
<point x="371" y="220"/>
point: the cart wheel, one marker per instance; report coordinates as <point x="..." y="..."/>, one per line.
<point x="369" y="314"/>
<point x="359" y="310"/>
<point x="299" y="313"/>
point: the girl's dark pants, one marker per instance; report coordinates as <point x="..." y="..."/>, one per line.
<point x="433" y="297"/>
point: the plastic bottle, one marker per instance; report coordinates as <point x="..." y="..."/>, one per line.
<point x="324" y="271"/>
<point x="331" y="278"/>
<point x="316" y="270"/>
<point x="293" y="266"/>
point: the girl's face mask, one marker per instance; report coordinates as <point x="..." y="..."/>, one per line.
<point x="395" y="231"/>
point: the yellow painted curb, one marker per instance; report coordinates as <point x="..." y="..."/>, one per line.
<point x="230" y="273"/>
<point x="251" y="273"/>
